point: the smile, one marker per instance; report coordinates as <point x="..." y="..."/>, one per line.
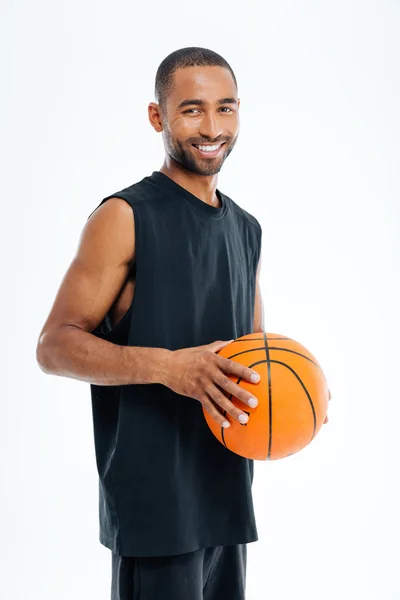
<point x="208" y="150"/>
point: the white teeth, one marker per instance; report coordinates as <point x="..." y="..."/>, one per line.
<point x="208" y="148"/>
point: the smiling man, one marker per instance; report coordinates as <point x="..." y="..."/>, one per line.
<point x="200" y="124"/>
<point x="166" y="274"/>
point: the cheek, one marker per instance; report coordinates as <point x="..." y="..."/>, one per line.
<point x="190" y="128"/>
<point x="182" y="131"/>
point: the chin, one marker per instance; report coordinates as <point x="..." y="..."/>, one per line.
<point x="207" y="172"/>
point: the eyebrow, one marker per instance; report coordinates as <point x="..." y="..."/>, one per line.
<point x="197" y="102"/>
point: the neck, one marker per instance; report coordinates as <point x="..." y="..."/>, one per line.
<point x="201" y="186"/>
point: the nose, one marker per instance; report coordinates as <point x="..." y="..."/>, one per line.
<point x="209" y="126"/>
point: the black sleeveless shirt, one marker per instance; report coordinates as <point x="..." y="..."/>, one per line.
<point x="166" y="484"/>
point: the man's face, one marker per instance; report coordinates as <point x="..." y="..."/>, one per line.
<point x="202" y="109"/>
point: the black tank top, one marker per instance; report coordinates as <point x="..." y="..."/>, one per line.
<point x="166" y="484"/>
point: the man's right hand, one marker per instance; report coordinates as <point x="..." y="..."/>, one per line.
<point x="202" y="374"/>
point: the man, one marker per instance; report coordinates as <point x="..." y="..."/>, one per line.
<point x="166" y="274"/>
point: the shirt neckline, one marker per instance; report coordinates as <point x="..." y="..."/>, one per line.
<point x="201" y="207"/>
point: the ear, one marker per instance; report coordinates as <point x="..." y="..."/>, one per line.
<point x="155" y="117"/>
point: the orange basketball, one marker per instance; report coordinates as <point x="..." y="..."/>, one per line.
<point x="292" y="398"/>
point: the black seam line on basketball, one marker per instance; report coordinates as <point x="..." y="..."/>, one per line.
<point x="222" y="428"/>
<point x="278" y="362"/>
<point x="268" y="361"/>
<point x="267" y="356"/>
<point x="276" y="348"/>
<point x="259" y="339"/>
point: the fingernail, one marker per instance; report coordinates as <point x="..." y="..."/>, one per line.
<point x="243" y="418"/>
<point x="253" y="402"/>
<point x="255" y="377"/>
<point x="226" y="424"/>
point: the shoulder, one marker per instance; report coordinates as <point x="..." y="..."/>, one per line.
<point x="241" y="213"/>
<point x="133" y="195"/>
<point x="138" y="192"/>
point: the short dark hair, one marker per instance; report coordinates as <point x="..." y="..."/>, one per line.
<point x="185" y="57"/>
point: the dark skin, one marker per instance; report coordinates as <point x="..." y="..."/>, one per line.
<point x="101" y="278"/>
<point x="205" y="120"/>
<point x="211" y="118"/>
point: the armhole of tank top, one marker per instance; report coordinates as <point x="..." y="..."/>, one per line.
<point x="120" y="332"/>
<point x="257" y="254"/>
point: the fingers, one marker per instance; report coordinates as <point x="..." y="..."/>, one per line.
<point x="224" y="386"/>
<point x="232" y="388"/>
<point x="220" y="398"/>
<point x="234" y="368"/>
<point x="209" y="406"/>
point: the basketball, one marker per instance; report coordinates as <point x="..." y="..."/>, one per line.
<point x="292" y="398"/>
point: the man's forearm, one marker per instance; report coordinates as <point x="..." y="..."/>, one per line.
<point x="75" y="353"/>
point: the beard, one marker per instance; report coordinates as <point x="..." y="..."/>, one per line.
<point x="184" y="154"/>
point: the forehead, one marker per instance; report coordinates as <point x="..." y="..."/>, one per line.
<point x="204" y="83"/>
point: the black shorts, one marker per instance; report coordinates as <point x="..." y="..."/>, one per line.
<point x="205" y="574"/>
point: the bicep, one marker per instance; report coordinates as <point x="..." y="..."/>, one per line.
<point x="101" y="265"/>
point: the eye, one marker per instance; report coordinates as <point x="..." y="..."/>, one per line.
<point x="190" y="110"/>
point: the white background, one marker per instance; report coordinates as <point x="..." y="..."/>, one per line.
<point x="317" y="162"/>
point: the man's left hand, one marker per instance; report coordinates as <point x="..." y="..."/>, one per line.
<point x="326" y="418"/>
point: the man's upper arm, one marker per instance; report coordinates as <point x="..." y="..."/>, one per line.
<point x="258" y="324"/>
<point x="105" y="254"/>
